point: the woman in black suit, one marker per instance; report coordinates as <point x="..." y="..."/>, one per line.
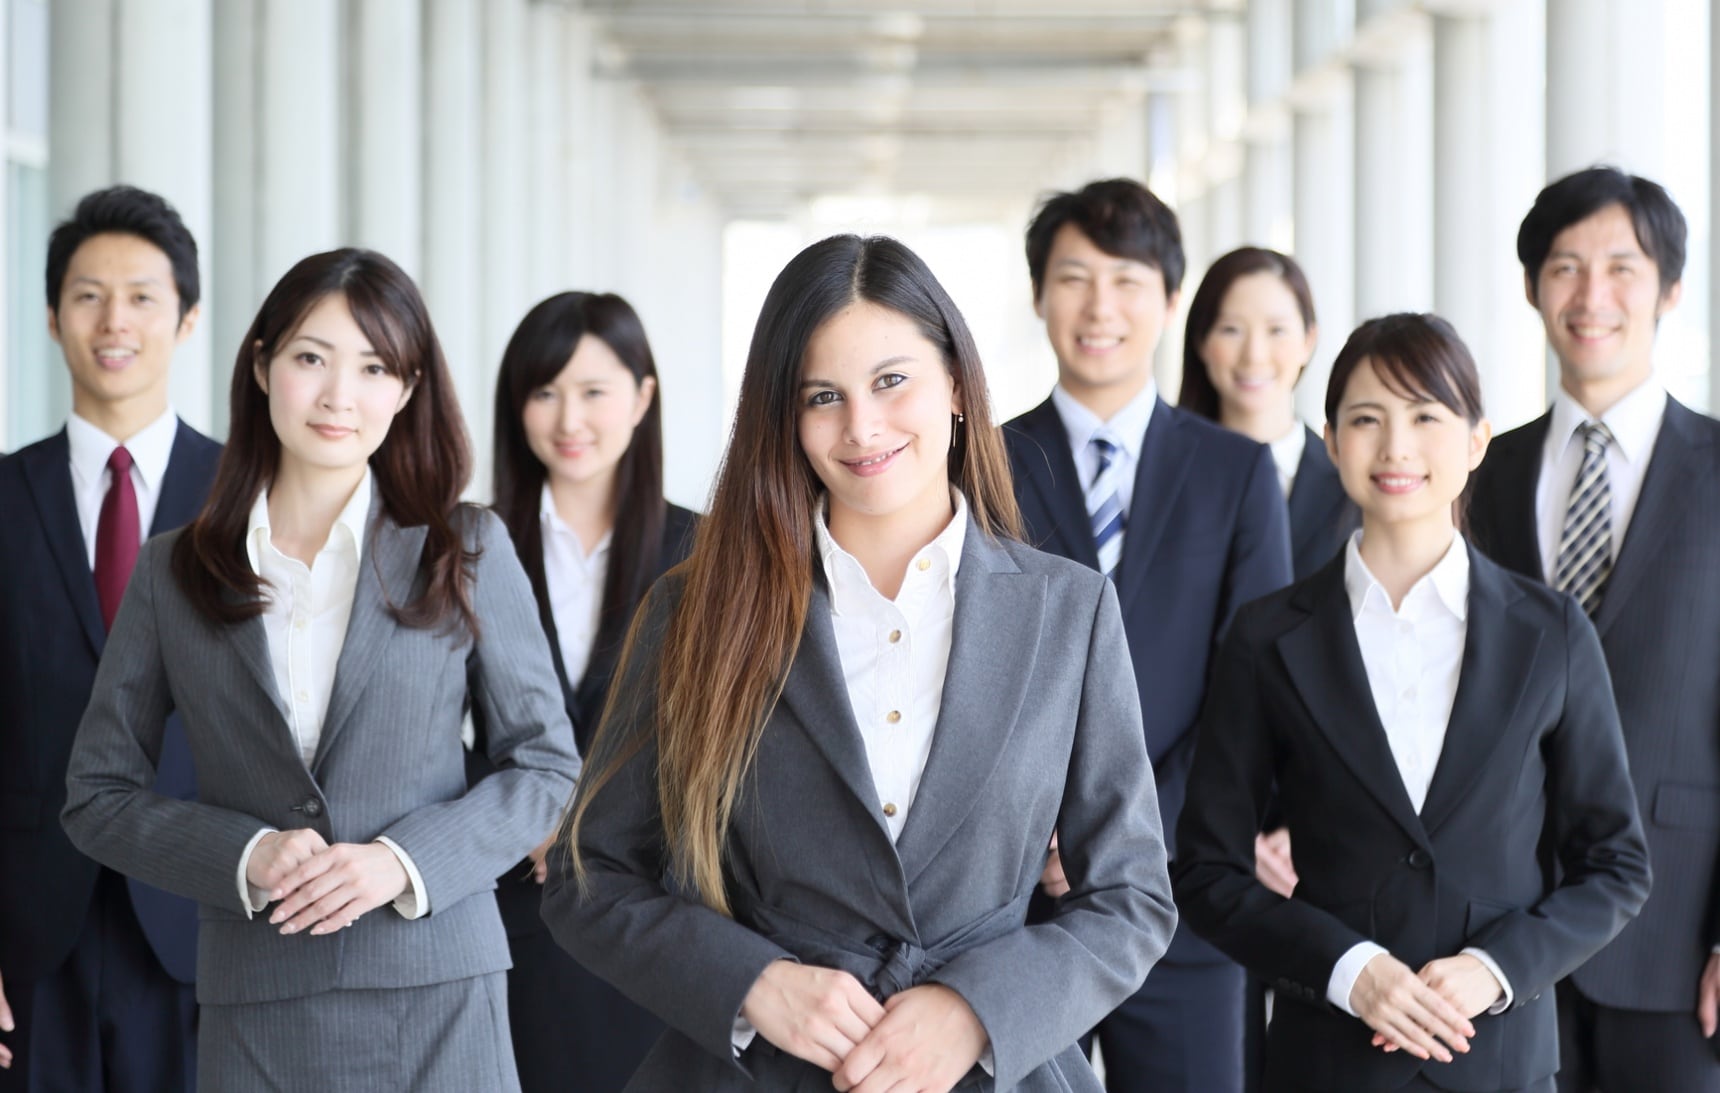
<point x="1428" y="722"/>
<point x="579" y="484"/>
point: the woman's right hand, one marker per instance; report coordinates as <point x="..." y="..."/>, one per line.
<point x="277" y="854"/>
<point x="816" y="1014"/>
<point x="1395" y="1003"/>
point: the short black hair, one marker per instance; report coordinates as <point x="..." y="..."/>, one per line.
<point x="1122" y="217"/>
<point x="125" y="210"/>
<point x="1660" y="227"/>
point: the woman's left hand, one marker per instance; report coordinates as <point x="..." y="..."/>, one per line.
<point x="928" y="1040"/>
<point x="334" y="888"/>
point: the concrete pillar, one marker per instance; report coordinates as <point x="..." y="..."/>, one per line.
<point x="1605" y="91"/>
<point x="1323" y="200"/>
<point x="1462" y="178"/>
<point x="299" y="161"/>
<point x="547" y="206"/>
<point x="387" y="145"/>
<point x="1266" y="214"/>
<point x="581" y="160"/>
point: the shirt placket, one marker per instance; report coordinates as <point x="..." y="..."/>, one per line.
<point x="894" y="688"/>
<point x="300" y="674"/>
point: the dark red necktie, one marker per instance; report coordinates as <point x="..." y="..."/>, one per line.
<point x="116" y="536"/>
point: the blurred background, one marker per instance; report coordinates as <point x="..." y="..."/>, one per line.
<point x="680" y="151"/>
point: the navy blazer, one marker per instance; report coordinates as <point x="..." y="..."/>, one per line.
<point x="1322" y="516"/>
<point x="1659" y="625"/>
<point x="1207" y="533"/>
<point x="51" y="638"/>
<point x="1532" y="757"/>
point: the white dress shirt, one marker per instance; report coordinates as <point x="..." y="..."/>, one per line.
<point x="1128" y="427"/>
<point x="90" y="448"/>
<point x="305" y="621"/>
<point x="1413" y="655"/>
<point x="1635" y="425"/>
<point x="1287" y="456"/>
<point x="574" y="580"/>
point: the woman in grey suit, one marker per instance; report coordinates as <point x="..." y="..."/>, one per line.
<point x="321" y="628"/>
<point x="846" y="728"/>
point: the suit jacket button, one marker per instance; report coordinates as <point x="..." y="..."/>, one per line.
<point x="1419" y="859"/>
<point x="312" y="807"/>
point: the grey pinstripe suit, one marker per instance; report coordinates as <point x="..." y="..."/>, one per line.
<point x="390" y="762"/>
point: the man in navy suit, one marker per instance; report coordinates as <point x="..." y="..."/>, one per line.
<point x="1625" y="476"/>
<point x="1188" y="519"/>
<point x="97" y="970"/>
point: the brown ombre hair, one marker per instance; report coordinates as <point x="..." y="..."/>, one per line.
<point x="1198" y="394"/>
<point x="540" y="348"/>
<point x="751" y="569"/>
<point x="419" y="470"/>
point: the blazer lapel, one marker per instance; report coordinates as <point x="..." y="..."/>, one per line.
<point x="1520" y="545"/>
<point x="1498" y="655"/>
<point x="1679" y="455"/>
<point x="817" y="694"/>
<point x="182" y="493"/>
<point x="48" y="471"/>
<point x="994" y="645"/>
<point x="1054" y="479"/>
<point x="1316" y="495"/>
<point x="385" y="577"/>
<point x="250" y="641"/>
<point x="1166" y="457"/>
<point x="1326" y="667"/>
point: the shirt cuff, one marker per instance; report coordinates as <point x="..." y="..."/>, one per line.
<point x="252" y="898"/>
<point x="742" y="1035"/>
<point x="415" y="901"/>
<point x="1487" y="962"/>
<point x="1347" y="971"/>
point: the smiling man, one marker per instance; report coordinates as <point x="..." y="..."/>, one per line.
<point x="1187" y="518"/>
<point x="1614" y="496"/>
<point x="97" y="970"/>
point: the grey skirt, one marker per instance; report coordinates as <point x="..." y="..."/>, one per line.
<point x="443" y="1037"/>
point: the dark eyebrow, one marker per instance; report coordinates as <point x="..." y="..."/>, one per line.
<point x="330" y="345"/>
<point x="888" y="362"/>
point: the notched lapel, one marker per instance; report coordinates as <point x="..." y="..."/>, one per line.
<point x="250" y="641"/>
<point x="49" y="474"/>
<point x="1326" y="668"/>
<point x="999" y="618"/>
<point x="1678" y="457"/>
<point x="183" y="487"/>
<point x="1050" y="467"/>
<point x="385" y="576"/>
<point x="817" y="695"/>
<point x="1498" y="658"/>
<point x="1166" y="457"/>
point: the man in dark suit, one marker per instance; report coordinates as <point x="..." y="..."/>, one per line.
<point x="1189" y="520"/>
<point x="97" y="969"/>
<point x="1614" y="496"/>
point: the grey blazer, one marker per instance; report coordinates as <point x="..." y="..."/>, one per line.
<point x="1040" y="730"/>
<point x="390" y="762"/>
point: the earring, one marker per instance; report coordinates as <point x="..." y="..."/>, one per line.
<point x="956" y="430"/>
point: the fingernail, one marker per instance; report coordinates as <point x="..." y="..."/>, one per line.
<point x="289" y="928"/>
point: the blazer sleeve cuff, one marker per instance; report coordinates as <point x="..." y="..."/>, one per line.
<point x="1347" y="971"/>
<point x="251" y="898"/>
<point x="1505" y="993"/>
<point x="415" y="901"/>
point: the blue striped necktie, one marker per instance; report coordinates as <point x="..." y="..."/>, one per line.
<point x="1105" y="505"/>
<point x="1585" y="546"/>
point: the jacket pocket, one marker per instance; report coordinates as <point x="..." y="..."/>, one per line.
<point x="1678" y="805"/>
<point x="1481" y="914"/>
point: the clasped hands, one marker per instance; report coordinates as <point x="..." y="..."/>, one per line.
<point x="1425" y="1013"/>
<point x="322" y="888"/>
<point x="924" y="1039"/>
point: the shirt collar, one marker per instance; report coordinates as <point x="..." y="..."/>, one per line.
<point x="1446" y="584"/>
<point x="1634" y="420"/>
<point x="1287" y="450"/>
<point x="1128" y="426"/>
<point x="847" y="577"/>
<point x="554" y="525"/>
<point x="150" y="448"/>
<point x="347" y="533"/>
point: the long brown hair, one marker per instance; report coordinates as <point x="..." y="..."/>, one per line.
<point x="751" y="569"/>
<point x="420" y="469"/>
<point x="1198" y="394"/>
<point x="539" y="349"/>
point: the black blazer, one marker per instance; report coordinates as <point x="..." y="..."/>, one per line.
<point x="51" y="638"/>
<point x="1533" y="747"/>
<point x="1659" y="625"/>
<point x="1322" y="516"/>
<point x="1207" y="533"/>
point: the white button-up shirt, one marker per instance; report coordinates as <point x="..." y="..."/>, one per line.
<point x="1413" y="655"/>
<point x="1287" y="456"/>
<point x="895" y="654"/>
<point x="1128" y="427"/>
<point x="1635" y="425"/>
<point x="574" y="580"/>
<point x="151" y="448"/>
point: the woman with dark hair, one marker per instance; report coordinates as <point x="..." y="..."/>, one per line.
<point x="579" y="484"/>
<point x="320" y="628"/>
<point x="847" y="728"/>
<point x="1251" y="331"/>
<point x="1428" y="722"/>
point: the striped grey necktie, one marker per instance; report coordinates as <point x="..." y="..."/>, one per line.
<point x="1105" y="506"/>
<point x="1585" y="547"/>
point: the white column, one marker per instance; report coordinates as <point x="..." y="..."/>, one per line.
<point x="1462" y="178"/>
<point x="453" y="277"/>
<point x="504" y="210"/>
<point x="1324" y="182"/>
<point x="1605" y="92"/>
<point x="1394" y="195"/>
<point x="80" y="100"/>
<point x="386" y="73"/>
<point x="1226" y="107"/>
<point x="1266" y="213"/>
<point x="581" y="159"/>
<point x="233" y="250"/>
<point x="299" y="165"/>
<point x="547" y="204"/>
